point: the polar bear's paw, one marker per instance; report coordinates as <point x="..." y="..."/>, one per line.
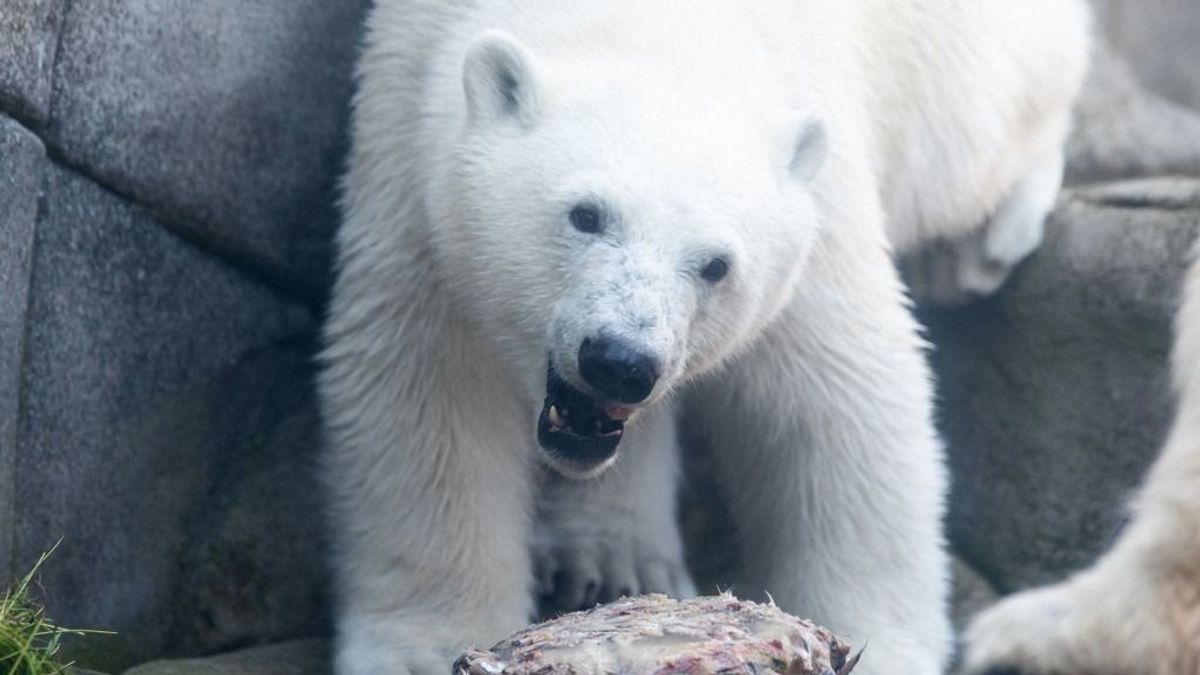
<point x="956" y="270"/>
<point x="1095" y="625"/>
<point x="1023" y="635"/>
<point x="580" y="564"/>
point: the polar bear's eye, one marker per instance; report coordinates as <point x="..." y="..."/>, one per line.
<point x="715" y="270"/>
<point x="586" y="218"/>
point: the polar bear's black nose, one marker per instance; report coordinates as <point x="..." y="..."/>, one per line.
<point x="617" y="370"/>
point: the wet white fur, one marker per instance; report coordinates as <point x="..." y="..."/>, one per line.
<point x="796" y="138"/>
<point x="1137" y="610"/>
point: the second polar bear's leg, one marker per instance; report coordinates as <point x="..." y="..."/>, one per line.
<point x="615" y="535"/>
<point x="1137" y="612"/>
<point x="975" y="264"/>
<point x="825" y="444"/>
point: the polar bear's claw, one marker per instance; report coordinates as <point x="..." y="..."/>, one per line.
<point x="580" y="569"/>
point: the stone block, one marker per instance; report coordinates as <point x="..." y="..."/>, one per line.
<point x="1161" y="39"/>
<point x="28" y="41"/>
<point x="228" y="119"/>
<point x="167" y="436"/>
<point x="970" y="594"/>
<point x="1122" y="130"/>
<point x="23" y="160"/>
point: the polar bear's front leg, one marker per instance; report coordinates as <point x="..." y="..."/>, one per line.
<point x="975" y="264"/>
<point x="834" y="475"/>
<point x="429" y="472"/>
<point x="617" y="534"/>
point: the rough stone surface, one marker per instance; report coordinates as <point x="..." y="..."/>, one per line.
<point x="1054" y="393"/>
<point x="23" y="159"/>
<point x="227" y="118"/>
<point x="28" y="38"/>
<point x="302" y="657"/>
<point x="970" y="594"/>
<point x="1161" y="39"/>
<point x="165" y="436"/>
<point x="1122" y="130"/>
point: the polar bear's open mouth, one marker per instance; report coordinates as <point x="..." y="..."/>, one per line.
<point x="575" y="428"/>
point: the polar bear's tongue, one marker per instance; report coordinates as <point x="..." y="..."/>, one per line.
<point x="618" y="412"/>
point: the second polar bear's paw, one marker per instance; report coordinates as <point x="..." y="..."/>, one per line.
<point x="1095" y="625"/>
<point x="956" y="270"/>
<point x="579" y="571"/>
<point x="1026" y="634"/>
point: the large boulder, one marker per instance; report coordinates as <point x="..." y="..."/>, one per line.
<point x="1123" y="130"/>
<point x="24" y="158"/>
<point x="1054" y="394"/>
<point x="227" y="119"/>
<point x="158" y="316"/>
<point x="28" y="43"/>
<point x="166" y="436"/>
<point x="1159" y="38"/>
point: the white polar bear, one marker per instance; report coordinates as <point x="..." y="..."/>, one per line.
<point x="569" y="224"/>
<point x="1137" y="611"/>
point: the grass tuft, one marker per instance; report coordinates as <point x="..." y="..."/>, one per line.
<point x="28" y="640"/>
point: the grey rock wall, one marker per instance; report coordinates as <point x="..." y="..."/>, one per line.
<point x="226" y="119"/>
<point x="1161" y="38"/>
<point x="144" y="401"/>
<point x="27" y="52"/>
<point x="1124" y="131"/>
<point x="167" y="201"/>
<point x="24" y="158"/>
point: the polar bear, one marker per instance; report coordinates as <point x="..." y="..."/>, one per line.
<point x="568" y="226"/>
<point x="1137" y="611"/>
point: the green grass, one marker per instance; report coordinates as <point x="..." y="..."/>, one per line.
<point x="28" y="640"/>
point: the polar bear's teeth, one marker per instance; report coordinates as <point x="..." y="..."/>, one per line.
<point x="614" y="432"/>
<point x="555" y="418"/>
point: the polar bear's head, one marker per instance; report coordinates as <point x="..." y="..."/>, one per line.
<point x="622" y="226"/>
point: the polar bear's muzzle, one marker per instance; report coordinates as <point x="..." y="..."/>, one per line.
<point x="579" y="433"/>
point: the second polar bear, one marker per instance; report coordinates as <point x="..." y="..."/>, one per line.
<point x="570" y="225"/>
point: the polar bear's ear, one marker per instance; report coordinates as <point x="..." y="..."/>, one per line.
<point x="810" y="144"/>
<point x="500" y="77"/>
